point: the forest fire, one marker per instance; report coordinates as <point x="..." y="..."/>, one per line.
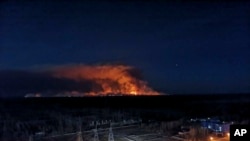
<point x="106" y="79"/>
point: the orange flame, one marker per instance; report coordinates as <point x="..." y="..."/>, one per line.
<point x="111" y="79"/>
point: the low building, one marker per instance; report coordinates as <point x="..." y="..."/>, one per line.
<point x="215" y="125"/>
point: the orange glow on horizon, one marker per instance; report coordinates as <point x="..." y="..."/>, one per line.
<point x="108" y="79"/>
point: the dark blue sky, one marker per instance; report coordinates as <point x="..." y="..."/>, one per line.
<point x="180" y="47"/>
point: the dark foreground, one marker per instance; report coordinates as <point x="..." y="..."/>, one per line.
<point x="46" y="117"/>
<point x="233" y="105"/>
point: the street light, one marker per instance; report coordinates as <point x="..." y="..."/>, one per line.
<point x="211" y="138"/>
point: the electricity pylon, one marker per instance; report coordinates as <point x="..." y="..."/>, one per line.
<point x="96" y="137"/>
<point x="111" y="136"/>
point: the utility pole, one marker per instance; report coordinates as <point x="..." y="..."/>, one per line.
<point x="79" y="134"/>
<point x="96" y="137"/>
<point x="111" y="136"/>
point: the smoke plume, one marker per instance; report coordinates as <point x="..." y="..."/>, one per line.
<point x="75" y="80"/>
<point x="108" y="79"/>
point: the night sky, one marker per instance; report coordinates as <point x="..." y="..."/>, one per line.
<point x="181" y="48"/>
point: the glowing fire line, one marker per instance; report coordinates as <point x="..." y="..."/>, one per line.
<point x="109" y="79"/>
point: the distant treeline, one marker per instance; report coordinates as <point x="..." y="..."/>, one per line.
<point x="180" y="105"/>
